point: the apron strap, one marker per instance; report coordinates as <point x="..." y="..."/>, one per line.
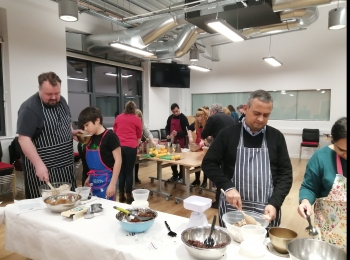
<point x="339" y="167"/>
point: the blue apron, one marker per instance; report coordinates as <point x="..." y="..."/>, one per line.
<point x="252" y="179"/>
<point x="100" y="174"/>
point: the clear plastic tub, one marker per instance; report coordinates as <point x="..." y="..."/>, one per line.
<point x="197" y="203"/>
<point x="140" y="194"/>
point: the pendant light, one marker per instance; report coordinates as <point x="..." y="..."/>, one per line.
<point x="68" y="10"/>
<point x="272" y="60"/>
<point x="194" y="54"/>
<point x="337" y="18"/>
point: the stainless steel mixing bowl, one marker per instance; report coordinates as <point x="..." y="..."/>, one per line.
<point x="312" y="249"/>
<point x="200" y="233"/>
<point x="70" y="197"/>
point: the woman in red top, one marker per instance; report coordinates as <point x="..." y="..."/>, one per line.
<point x="128" y="128"/>
<point x="202" y="116"/>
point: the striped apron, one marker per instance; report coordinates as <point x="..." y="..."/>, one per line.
<point x="55" y="148"/>
<point x="252" y="179"/>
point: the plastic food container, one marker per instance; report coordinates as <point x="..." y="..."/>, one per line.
<point x="197" y="203"/>
<point x="61" y="187"/>
<point x="140" y="194"/>
<point x="253" y="233"/>
<point x="233" y="217"/>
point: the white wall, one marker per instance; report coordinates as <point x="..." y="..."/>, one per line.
<point x="34" y="42"/>
<point x="313" y="58"/>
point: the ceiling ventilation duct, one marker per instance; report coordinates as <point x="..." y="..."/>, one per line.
<point x="283" y="16"/>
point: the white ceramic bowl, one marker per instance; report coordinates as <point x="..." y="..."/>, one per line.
<point x="84" y="193"/>
<point x="140" y="194"/>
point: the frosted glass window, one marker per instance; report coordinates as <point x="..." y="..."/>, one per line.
<point x="308" y="105"/>
<point x="77" y="102"/>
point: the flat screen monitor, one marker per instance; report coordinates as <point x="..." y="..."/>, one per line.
<point x="170" y="75"/>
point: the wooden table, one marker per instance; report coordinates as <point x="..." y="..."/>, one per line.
<point x="187" y="161"/>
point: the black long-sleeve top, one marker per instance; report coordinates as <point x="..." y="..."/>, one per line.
<point x="183" y="122"/>
<point x="224" y="149"/>
<point x="215" y="123"/>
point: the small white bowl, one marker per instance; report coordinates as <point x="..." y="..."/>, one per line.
<point x="85" y="192"/>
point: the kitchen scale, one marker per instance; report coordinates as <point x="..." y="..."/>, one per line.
<point x="198" y="205"/>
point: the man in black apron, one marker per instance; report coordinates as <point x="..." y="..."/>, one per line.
<point x="45" y="135"/>
<point x="257" y="171"/>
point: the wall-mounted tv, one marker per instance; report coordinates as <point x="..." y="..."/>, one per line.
<point x="170" y="75"/>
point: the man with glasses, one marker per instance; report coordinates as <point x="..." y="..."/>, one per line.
<point x="176" y="130"/>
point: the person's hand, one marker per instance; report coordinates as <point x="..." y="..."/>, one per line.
<point x="305" y="206"/>
<point x="110" y="190"/>
<point x="270" y="212"/>
<point x="201" y="143"/>
<point x="42" y="173"/>
<point x="234" y="199"/>
<point x="174" y="133"/>
<point x="87" y="182"/>
<point x="153" y="141"/>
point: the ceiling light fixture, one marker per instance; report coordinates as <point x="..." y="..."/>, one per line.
<point x="72" y="78"/>
<point x="272" y="60"/>
<point x="111" y="74"/>
<point x="226" y="30"/>
<point x="199" y="68"/>
<point x="322" y="92"/>
<point x="194" y="55"/>
<point x="126" y="75"/>
<point x="130" y="48"/>
<point x="68" y="10"/>
<point x="337" y="18"/>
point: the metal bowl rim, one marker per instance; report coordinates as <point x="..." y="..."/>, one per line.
<point x="134" y="209"/>
<point x="283" y="238"/>
<point x="206" y="227"/>
<point x="61" y="195"/>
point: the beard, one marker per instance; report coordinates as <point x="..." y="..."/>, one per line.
<point x="52" y="103"/>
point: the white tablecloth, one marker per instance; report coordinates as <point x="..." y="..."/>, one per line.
<point x="45" y="235"/>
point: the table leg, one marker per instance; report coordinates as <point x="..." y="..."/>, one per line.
<point x="160" y="182"/>
<point x="187" y="173"/>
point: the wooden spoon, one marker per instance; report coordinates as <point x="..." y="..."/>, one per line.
<point x="53" y="189"/>
<point x="248" y="219"/>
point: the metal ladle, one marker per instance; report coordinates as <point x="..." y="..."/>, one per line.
<point x="310" y="229"/>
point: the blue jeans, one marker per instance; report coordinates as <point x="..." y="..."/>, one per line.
<point x="125" y="178"/>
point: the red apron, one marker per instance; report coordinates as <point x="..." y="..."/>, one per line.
<point x="199" y="137"/>
<point x="175" y="125"/>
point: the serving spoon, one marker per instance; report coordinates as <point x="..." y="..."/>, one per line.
<point x="310" y="229"/>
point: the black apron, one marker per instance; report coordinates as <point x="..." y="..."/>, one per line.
<point x="252" y="179"/>
<point x="55" y="148"/>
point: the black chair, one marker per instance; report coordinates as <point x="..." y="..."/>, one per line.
<point x="163" y="135"/>
<point x="310" y="139"/>
<point x="155" y="133"/>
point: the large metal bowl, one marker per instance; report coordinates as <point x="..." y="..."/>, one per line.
<point x="232" y="217"/>
<point x="201" y="233"/>
<point x="312" y="249"/>
<point x="72" y="199"/>
<point x="135" y="227"/>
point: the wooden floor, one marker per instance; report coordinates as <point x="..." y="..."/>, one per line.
<point x="290" y="217"/>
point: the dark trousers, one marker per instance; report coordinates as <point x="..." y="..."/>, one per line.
<point x="136" y="171"/>
<point x="126" y="170"/>
<point x="198" y="174"/>
<point x="176" y="172"/>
